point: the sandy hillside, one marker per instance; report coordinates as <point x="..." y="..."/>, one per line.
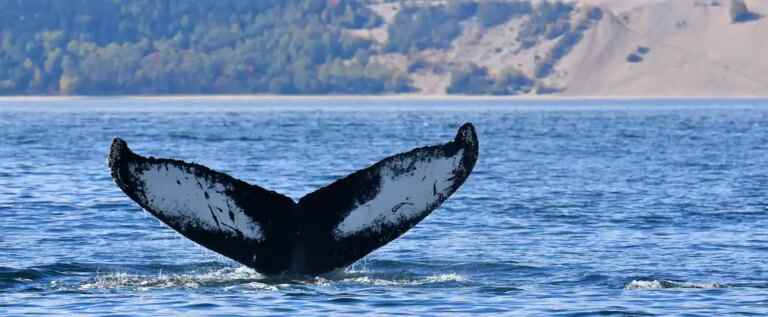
<point x="693" y="49"/>
<point x="496" y="48"/>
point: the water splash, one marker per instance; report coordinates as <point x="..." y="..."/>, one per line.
<point x="381" y="280"/>
<point x="433" y="279"/>
<point x="221" y="277"/>
<point x="243" y="277"/>
<point x="664" y="284"/>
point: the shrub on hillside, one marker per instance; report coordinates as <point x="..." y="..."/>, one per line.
<point x="634" y="58"/>
<point x="470" y="80"/>
<point x="418" y="28"/>
<point x="548" y="20"/>
<point x="567" y="39"/>
<point x="492" y="13"/>
<point x="475" y="80"/>
<point x="542" y="89"/>
<point x="512" y="82"/>
<point x="638" y="55"/>
<point x="563" y="46"/>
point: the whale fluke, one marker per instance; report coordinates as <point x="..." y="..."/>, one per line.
<point x="327" y="229"/>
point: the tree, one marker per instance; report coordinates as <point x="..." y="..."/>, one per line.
<point x="492" y="13"/>
<point x="417" y="29"/>
<point x="511" y="82"/>
<point x="475" y="80"/>
<point x="470" y="79"/>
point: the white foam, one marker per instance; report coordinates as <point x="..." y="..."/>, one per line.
<point x="662" y="284"/>
<point x="408" y="194"/>
<point x="643" y="285"/>
<point x="432" y="279"/>
<point x="245" y="278"/>
<point x="180" y="196"/>
<point x="192" y="280"/>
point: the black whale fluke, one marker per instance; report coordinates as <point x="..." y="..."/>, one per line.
<point x="327" y="229"/>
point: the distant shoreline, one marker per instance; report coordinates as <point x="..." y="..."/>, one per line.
<point x="386" y="97"/>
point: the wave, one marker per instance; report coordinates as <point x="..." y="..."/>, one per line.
<point x="243" y="277"/>
<point x="226" y="277"/>
<point x="81" y="277"/>
<point x="378" y="265"/>
<point x="10" y="277"/>
<point x="372" y="280"/>
<point x="665" y="284"/>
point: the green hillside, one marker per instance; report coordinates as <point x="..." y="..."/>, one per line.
<point x="99" y="47"/>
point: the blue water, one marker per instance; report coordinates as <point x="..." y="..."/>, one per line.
<point x="574" y="208"/>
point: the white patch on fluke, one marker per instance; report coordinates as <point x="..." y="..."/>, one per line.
<point x="191" y="202"/>
<point x="402" y="196"/>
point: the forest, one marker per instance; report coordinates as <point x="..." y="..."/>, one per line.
<point x="114" y="47"/>
<point x="192" y="47"/>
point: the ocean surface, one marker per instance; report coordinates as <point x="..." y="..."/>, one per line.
<point x="575" y="208"/>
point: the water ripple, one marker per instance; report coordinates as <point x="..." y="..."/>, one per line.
<point x="576" y="208"/>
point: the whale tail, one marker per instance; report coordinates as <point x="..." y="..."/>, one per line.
<point x="327" y="229"/>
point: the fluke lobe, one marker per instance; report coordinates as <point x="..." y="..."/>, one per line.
<point x="327" y="229"/>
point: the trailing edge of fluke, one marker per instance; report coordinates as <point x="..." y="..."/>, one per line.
<point x="327" y="229"/>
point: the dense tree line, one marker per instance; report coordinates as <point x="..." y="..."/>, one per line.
<point x="96" y="47"/>
<point x="167" y="46"/>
